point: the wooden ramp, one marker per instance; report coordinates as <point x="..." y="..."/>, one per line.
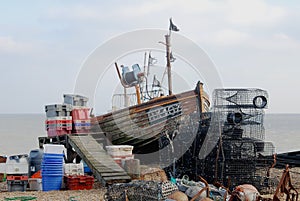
<point x="105" y="169"/>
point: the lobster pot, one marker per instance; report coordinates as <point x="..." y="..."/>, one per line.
<point x="140" y="190"/>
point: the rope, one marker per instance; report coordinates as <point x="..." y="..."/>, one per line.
<point x="22" y="198"/>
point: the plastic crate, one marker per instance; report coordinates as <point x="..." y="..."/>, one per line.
<point x="119" y="150"/>
<point x="16" y="185"/>
<point x="58" y="107"/>
<point x="71" y="169"/>
<point x="52" y="113"/>
<point x="58" y="124"/>
<point x="3" y="159"/>
<point x="2" y="168"/>
<point x="75" y="100"/>
<point x="16" y="177"/>
<point x="80" y="126"/>
<point x="56" y="132"/>
<point x="79" y="182"/>
<point x="35" y="184"/>
<point x="80" y="114"/>
<point x="17" y="165"/>
<point x="58" y="110"/>
<point x="81" y="131"/>
<point x="60" y="118"/>
<point x="53" y="149"/>
<point x="82" y="123"/>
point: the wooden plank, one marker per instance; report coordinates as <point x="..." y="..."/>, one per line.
<point x="103" y="165"/>
<point x="116" y="178"/>
<point x="113" y="174"/>
<point x="108" y="168"/>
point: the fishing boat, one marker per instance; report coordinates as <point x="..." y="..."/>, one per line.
<point x="144" y="124"/>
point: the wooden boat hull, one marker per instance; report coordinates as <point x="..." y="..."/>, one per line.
<point x="145" y="124"/>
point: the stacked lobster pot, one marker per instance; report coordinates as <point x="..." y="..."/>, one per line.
<point x="59" y="119"/>
<point x="81" y="122"/>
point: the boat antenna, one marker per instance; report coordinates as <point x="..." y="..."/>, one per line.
<point x="172" y="27"/>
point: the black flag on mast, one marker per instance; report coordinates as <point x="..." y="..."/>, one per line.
<point x="152" y="60"/>
<point x="173" y="27"/>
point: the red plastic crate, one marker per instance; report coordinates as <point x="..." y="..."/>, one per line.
<point x="80" y="131"/>
<point x="79" y="182"/>
<point x="58" y="127"/>
<point x="80" y="114"/>
<point x="13" y="177"/>
<point x="58" y="124"/>
<point x="62" y="121"/>
<point x="55" y="132"/>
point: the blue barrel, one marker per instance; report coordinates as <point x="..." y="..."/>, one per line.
<point x="52" y="171"/>
<point x="86" y="168"/>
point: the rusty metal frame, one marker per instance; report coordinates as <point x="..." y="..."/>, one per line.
<point x="285" y="187"/>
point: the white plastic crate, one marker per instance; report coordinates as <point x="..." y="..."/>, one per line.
<point x="35" y="184"/>
<point x="2" y="167"/>
<point x="17" y="164"/>
<point x="54" y="149"/>
<point x="73" y="169"/>
<point x="18" y="168"/>
<point x="60" y="118"/>
<point x="119" y="150"/>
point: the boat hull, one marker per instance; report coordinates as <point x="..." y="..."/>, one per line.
<point x="144" y="126"/>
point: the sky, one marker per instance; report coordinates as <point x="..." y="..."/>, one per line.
<point x="43" y="44"/>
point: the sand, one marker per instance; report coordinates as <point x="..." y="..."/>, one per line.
<point x="83" y="195"/>
<point x="98" y="192"/>
<point x="79" y="195"/>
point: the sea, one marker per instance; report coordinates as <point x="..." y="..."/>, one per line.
<point x="19" y="132"/>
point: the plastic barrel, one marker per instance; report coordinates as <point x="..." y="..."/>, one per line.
<point x="86" y="168"/>
<point x="52" y="171"/>
<point x="35" y="161"/>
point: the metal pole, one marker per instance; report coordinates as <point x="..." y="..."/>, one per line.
<point x="138" y="94"/>
<point x="125" y="98"/>
<point x="168" y="47"/>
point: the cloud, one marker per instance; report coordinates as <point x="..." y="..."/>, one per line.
<point x="230" y="37"/>
<point x="254" y="12"/>
<point x="9" y="45"/>
<point x="77" y="12"/>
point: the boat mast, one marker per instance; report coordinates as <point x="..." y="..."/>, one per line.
<point x="172" y="27"/>
<point x="169" y="71"/>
